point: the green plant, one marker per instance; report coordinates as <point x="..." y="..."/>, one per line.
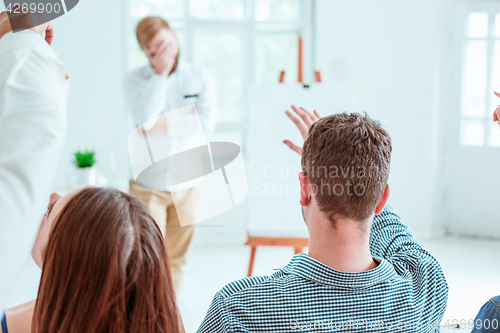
<point x="85" y="159"/>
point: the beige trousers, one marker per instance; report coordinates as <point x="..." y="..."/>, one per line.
<point x="177" y="239"/>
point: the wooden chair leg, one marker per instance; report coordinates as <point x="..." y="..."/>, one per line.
<point x="252" y="258"/>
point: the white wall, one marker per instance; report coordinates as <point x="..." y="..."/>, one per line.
<point x="90" y="40"/>
<point x="390" y="51"/>
<point x="471" y="178"/>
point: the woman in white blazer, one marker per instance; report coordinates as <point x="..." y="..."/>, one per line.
<point x="33" y="90"/>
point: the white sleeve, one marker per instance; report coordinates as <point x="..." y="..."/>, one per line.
<point x="32" y="130"/>
<point x="207" y="105"/>
<point x="145" y="96"/>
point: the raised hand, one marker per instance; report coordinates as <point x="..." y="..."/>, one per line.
<point x="303" y="124"/>
<point x="163" y="59"/>
<point x="45" y="30"/>
<point x="496" y="113"/>
<point x="4" y="24"/>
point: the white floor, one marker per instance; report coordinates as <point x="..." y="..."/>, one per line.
<point x="472" y="268"/>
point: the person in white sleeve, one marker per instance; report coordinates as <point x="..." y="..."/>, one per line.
<point x="33" y="92"/>
<point x="167" y="84"/>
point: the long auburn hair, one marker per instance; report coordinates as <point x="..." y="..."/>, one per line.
<point x="105" y="269"/>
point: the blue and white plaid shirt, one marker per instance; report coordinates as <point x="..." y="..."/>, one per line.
<point x="406" y="292"/>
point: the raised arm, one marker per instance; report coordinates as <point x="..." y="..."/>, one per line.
<point x="215" y="319"/>
<point x="29" y="19"/>
<point x="392" y="240"/>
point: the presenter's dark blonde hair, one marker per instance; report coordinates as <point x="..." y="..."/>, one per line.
<point x="105" y="269"/>
<point x="148" y="28"/>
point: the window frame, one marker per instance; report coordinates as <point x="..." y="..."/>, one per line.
<point x="466" y="8"/>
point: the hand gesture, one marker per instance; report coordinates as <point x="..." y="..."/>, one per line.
<point x="4" y="24"/>
<point x="307" y="120"/>
<point x="496" y="113"/>
<point x="45" y="30"/>
<point x="159" y="128"/>
<point x="163" y="59"/>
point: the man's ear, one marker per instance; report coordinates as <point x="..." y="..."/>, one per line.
<point x="305" y="189"/>
<point x="383" y="200"/>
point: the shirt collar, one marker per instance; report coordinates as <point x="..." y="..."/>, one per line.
<point x="308" y="268"/>
<point x="27" y="39"/>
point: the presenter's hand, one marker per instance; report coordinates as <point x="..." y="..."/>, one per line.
<point x="45" y="30"/>
<point x="159" y="128"/>
<point x="496" y="114"/>
<point x="303" y="124"/>
<point x="162" y="59"/>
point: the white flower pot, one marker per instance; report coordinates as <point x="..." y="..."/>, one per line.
<point x="85" y="176"/>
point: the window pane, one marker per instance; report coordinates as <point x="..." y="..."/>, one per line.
<point x="276" y="52"/>
<point x="472" y="133"/>
<point x="497" y="25"/>
<point x="279" y="10"/>
<point x="218" y="9"/>
<point x="166" y="8"/>
<point x="474" y="79"/>
<point x="495" y="78"/>
<point x="494" y="137"/>
<point x="221" y="55"/>
<point x="182" y="41"/>
<point x="137" y="57"/>
<point x="478" y="25"/>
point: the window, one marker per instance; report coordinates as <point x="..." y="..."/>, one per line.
<point x="240" y="42"/>
<point x="480" y="76"/>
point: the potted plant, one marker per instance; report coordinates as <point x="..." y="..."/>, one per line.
<point x="85" y="160"/>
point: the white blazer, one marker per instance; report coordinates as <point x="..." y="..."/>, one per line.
<point x="33" y="93"/>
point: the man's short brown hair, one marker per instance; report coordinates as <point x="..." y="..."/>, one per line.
<point x="347" y="160"/>
<point x="148" y="28"/>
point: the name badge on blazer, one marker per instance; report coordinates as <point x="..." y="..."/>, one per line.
<point x="191" y="96"/>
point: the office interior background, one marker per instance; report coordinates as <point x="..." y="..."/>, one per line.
<point x="426" y="70"/>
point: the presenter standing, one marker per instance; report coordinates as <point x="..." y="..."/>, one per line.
<point x="164" y="85"/>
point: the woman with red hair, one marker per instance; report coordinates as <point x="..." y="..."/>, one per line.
<point x="104" y="269"/>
